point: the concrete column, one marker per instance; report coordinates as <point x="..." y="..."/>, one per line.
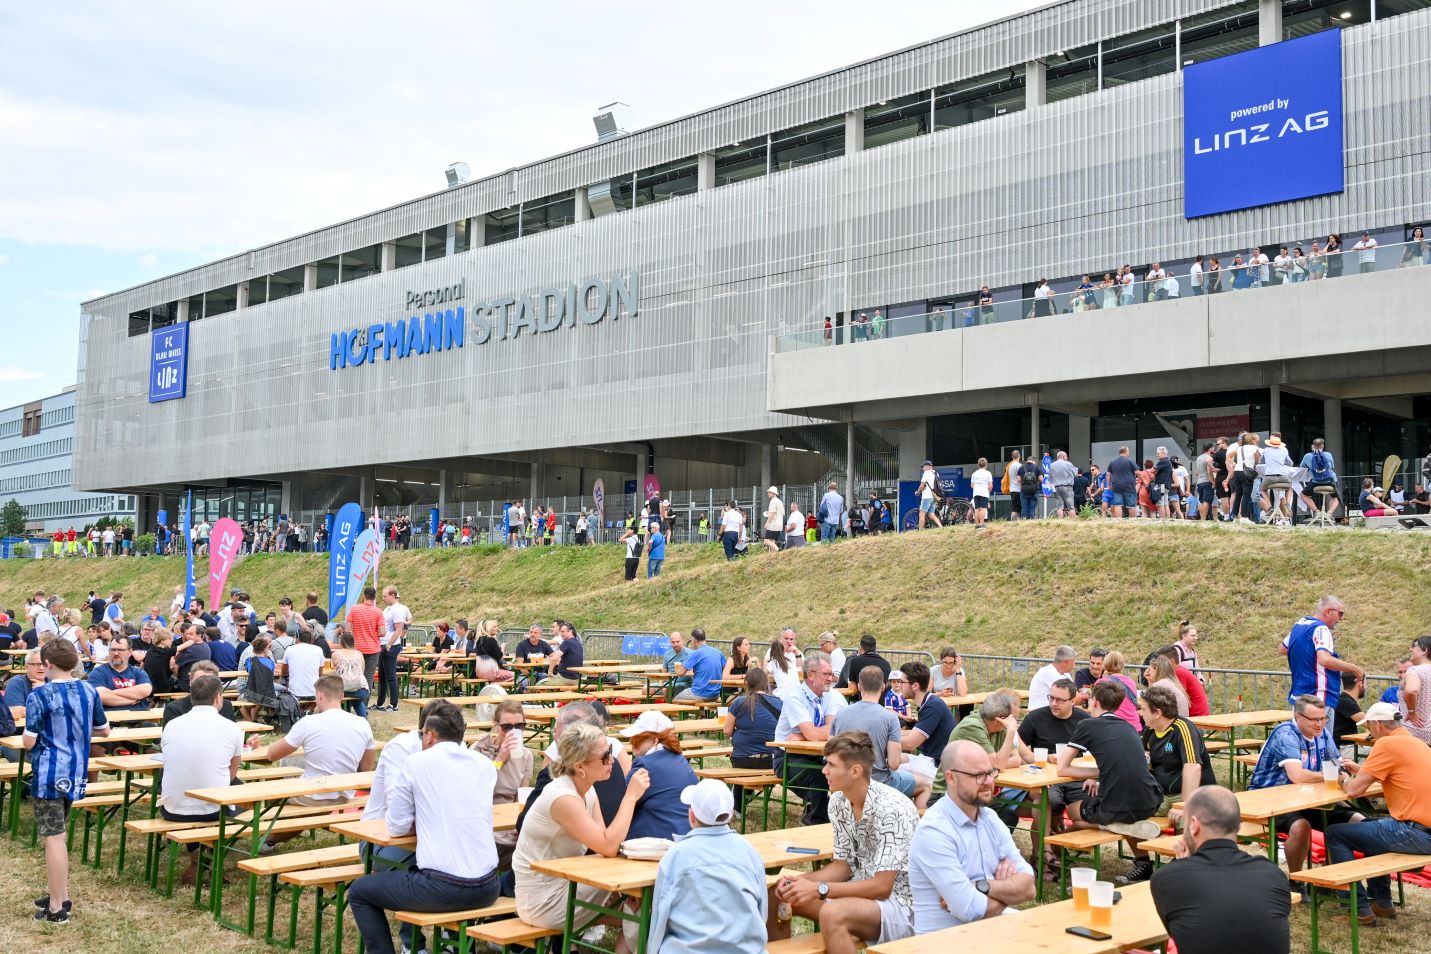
<point x="182" y="314"/>
<point x="1269" y="22"/>
<point x="538" y="475"/>
<point x="1332" y="422"/>
<point x="290" y="494"/>
<point x="451" y="238"/>
<point x="240" y="295"/>
<point x="705" y="171"/>
<point x="445" y="491"/>
<point x="389" y="256"/>
<point x="583" y="205"/>
<point x="1275" y="406"/>
<point x="1034" y="437"/>
<point x="310" y="277"/>
<point x="768" y="464"/>
<point x="1080" y="439"/>
<point x="854" y="131"/>
<point x="849" y="461"/>
<point x="1035" y="84"/>
<point x="367" y="486"/>
<point x="914" y="447"/>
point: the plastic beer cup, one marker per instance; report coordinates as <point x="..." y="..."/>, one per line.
<point x="1100" y="905"/>
<point x="1082" y="878"/>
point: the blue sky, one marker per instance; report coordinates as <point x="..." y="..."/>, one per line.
<point x="141" y="138"/>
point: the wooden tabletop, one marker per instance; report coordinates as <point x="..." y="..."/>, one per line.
<point x="1135" y="924"/>
<point x="669" y="708"/>
<point x="282" y="788"/>
<point x="1032" y="781"/>
<point x="590" y="668"/>
<point x="1226" y="721"/>
<point x="1261" y="804"/>
<point x="375" y="831"/>
<point x="799" y="747"/>
<point x="139" y="734"/>
<point x="523" y="697"/>
<point x="115" y="716"/>
<point x="974" y="698"/>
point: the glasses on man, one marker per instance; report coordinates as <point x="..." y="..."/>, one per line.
<point x="1313" y="719"/>
<point x="509" y="726"/>
<point x="1054" y="698"/>
<point x="979" y="776"/>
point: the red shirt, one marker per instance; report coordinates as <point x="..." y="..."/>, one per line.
<point x="366" y="621"/>
<point x="1197" y="697"/>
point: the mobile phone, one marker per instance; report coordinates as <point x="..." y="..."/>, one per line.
<point x="793" y="849"/>
<point x="1117" y="896"/>
<point x="1092" y="935"/>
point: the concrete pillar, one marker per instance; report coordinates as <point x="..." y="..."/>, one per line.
<point x="768" y="464"/>
<point x="290" y="496"/>
<point x="310" y="277"/>
<point x="1269" y="22"/>
<point x="241" y="295"/>
<point x="1332" y="423"/>
<point x="182" y="314"/>
<point x="914" y="447"/>
<point x="367" y="486"/>
<point x="477" y="231"/>
<point x="1035" y="84"/>
<point x="1275" y="407"/>
<point x="538" y="475"/>
<point x="705" y="171"/>
<point x="854" y="131"/>
<point x="389" y="256"/>
<point x="583" y="205"/>
<point x="451" y="238"/>
<point x="1034" y="437"/>
<point x="1080" y="439"/>
<point x="445" y="491"/>
<point x="849" y="461"/>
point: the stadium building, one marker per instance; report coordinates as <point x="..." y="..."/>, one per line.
<point x="654" y="303"/>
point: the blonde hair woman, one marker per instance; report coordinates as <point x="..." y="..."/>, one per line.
<point x="490" y="654"/>
<point x="565" y="821"/>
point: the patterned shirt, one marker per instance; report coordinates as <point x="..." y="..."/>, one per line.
<point x="1286" y="742"/>
<point x="879" y="841"/>
<point x="61" y="715"/>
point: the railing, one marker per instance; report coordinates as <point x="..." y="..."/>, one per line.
<point x="1071" y="297"/>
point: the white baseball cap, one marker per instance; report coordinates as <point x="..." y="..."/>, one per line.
<point x="710" y="800"/>
<point x="656" y="722"/>
<point x="771" y="490"/>
<point x="1382" y="712"/>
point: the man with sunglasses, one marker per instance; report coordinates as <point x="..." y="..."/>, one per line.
<point x="1312" y="655"/>
<point x="505" y="747"/>
<point x="1293" y="755"/>
<point x="963" y="864"/>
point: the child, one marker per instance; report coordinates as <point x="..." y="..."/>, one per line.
<point x="59" y="719"/>
<point x="894" y="699"/>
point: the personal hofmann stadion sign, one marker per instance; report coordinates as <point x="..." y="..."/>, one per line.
<point x="439" y="319"/>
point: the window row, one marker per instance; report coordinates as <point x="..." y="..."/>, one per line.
<point x="18" y="455"/>
<point x="54" y="478"/>
<point x="80" y="507"/>
<point x="1106" y="64"/>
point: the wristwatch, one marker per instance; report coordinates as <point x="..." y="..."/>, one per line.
<point x="981" y="886"/>
<point x="824" y="890"/>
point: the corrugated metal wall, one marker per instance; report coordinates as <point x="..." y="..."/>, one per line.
<point x="1083" y="183"/>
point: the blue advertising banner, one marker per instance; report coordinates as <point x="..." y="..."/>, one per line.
<point x="1257" y="132"/>
<point x="169" y="363"/>
<point x="346" y="527"/>
<point x="644" y="645"/>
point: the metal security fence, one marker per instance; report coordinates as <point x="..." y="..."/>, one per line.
<point x="895" y="657"/>
<point x="610" y="643"/>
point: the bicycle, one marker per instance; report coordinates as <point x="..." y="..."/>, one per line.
<point x="950" y="510"/>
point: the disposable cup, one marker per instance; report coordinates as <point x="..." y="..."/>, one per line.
<point x="524" y="793"/>
<point x="1330" y="771"/>
<point x="722" y="711"/>
<point x="1082" y="878"/>
<point x="1041" y="757"/>
<point x="1100" y="905"/>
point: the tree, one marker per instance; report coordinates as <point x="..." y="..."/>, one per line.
<point x="12" y="518"/>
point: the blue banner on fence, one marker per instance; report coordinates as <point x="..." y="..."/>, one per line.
<point x="346" y="527"/>
<point x="644" y="645"/>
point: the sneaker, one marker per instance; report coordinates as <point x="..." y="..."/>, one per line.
<point x="1380" y="911"/>
<point x="1141" y="871"/>
<point x="43" y="903"/>
<point x="62" y="916"/>
<point x="1144" y="830"/>
<point x="266" y="848"/>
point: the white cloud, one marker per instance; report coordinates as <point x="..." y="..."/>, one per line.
<point x="11" y="375"/>
<point x="149" y="261"/>
<point x="4" y="259"/>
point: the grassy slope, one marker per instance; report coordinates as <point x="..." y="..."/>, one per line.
<point x="1016" y="589"/>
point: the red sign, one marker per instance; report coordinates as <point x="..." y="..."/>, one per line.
<point x="1226" y="425"/>
<point x="651" y="486"/>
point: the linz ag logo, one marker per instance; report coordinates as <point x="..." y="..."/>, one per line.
<point x="1238" y="137"/>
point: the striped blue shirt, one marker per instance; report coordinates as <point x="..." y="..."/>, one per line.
<point x="61" y="717"/>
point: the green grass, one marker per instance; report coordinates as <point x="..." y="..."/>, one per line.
<point x="1012" y="589"/>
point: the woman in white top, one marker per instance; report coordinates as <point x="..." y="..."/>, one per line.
<point x="565" y="822"/>
<point x="782" y="662"/>
<point x="1244" y="474"/>
<point x="1043" y="299"/>
<point x="1277" y="463"/>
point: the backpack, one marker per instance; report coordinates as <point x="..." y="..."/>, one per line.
<point x="1321" y="468"/>
<point x="1029" y="478"/>
<point x="824" y="513"/>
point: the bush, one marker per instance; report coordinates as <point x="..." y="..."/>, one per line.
<point x="1087" y="512"/>
<point x="144" y="544"/>
<point x="22" y="550"/>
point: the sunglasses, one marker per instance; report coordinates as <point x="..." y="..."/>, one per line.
<point x="509" y="726"/>
<point x="606" y="757"/>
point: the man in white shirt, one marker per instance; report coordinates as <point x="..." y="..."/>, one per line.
<point x="304" y="662"/>
<point x="390" y="764"/>
<point x="199" y="749"/>
<point x="774" y="520"/>
<point x="45" y="619"/>
<point x="456" y="866"/>
<point x="334" y="742"/>
<point x="396" y="619"/>
<point x="794" y="527"/>
<point x="808" y="713"/>
<point x="928" y="485"/>
<point x="1065" y="658"/>
<point x="1263" y="273"/>
<point x="1170" y="286"/>
<point x="1156" y="273"/>
<point x="1365" y="253"/>
<point x="1195" y="276"/>
<point x="829" y="645"/>
<point x="981" y="486"/>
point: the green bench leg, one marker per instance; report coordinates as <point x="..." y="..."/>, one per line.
<point x="340" y="904"/>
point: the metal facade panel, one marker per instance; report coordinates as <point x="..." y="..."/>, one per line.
<point x="1086" y="183"/>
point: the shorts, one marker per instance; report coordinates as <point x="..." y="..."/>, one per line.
<point x="773" y="535"/>
<point x="317" y="801"/>
<point x="926" y="504"/>
<point x="1065" y="497"/>
<point x="1223" y="493"/>
<point x="902" y="782"/>
<point x="1107" y="497"/>
<point x="1069" y="793"/>
<point x="896" y="921"/>
<point x="981" y="503"/>
<point x="1204" y="494"/>
<point x="1120" y="499"/>
<point x="794" y="540"/>
<point x="51" y="816"/>
<point x="1336" y="815"/>
<point x="1093" y="811"/>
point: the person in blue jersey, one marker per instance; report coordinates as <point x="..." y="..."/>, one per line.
<point x="705" y="665"/>
<point x="1312" y="655"/>
<point x="61" y="717"/>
